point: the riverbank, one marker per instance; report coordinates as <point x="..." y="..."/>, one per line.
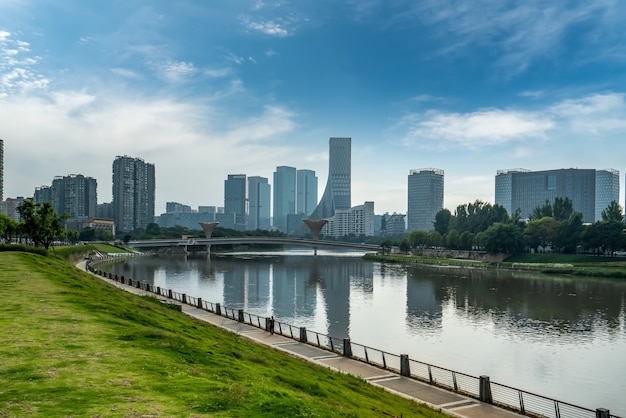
<point x="607" y="267"/>
<point x="72" y="344"/>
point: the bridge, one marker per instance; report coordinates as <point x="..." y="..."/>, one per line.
<point x="284" y="241"/>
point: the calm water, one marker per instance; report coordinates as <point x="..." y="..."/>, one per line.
<point x="557" y="336"/>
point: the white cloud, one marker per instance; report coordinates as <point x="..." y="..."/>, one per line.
<point x="268" y="27"/>
<point x="177" y="72"/>
<point x="595" y="114"/>
<point x="126" y="73"/>
<point x="477" y="129"/>
<point x="4" y="35"/>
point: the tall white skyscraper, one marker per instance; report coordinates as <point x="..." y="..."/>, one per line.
<point x="425" y="198"/>
<point x="337" y="195"/>
<point x="259" y="195"/>
<point x="306" y="192"/>
<point x="284" y="196"/>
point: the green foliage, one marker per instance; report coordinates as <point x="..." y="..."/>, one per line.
<point x="477" y="217"/>
<point x="41" y="223"/>
<point x="613" y="212"/>
<point x="442" y="221"/>
<point x="502" y="238"/>
<point x="541" y="232"/>
<point x="561" y="209"/>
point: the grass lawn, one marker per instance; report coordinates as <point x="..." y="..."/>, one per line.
<point x="74" y="345"/>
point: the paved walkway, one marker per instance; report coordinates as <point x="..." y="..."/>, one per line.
<point x="449" y="403"/>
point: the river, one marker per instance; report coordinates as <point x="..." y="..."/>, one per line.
<point x="558" y="336"/>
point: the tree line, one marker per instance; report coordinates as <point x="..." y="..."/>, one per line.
<point x="554" y="226"/>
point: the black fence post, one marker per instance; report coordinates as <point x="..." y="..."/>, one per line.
<point x="347" y="347"/>
<point x="200" y="303"/>
<point x="158" y="290"/>
<point x="130" y="282"/>
<point x="184" y="298"/>
<point x="170" y="294"/>
<point x="603" y="413"/>
<point x="218" y="309"/>
<point x="303" y="337"/>
<point x="240" y="315"/>
<point x="138" y="284"/>
<point x="405" y="369"/>
<point x="485" y="390"/>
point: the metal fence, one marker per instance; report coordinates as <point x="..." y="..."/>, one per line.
<point x="480" y="388"/>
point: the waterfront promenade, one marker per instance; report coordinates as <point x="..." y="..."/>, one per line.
<point x="447" y="402"/>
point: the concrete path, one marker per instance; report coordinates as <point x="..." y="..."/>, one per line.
<point x="447" y="402"/>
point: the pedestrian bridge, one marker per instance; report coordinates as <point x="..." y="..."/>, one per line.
<point x="284" y="241"/>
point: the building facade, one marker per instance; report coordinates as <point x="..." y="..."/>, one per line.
<point x="259" y="198"/>
<point x="235" y="201"/>
<point x="358" y="221"/>
<point x="590" y="191"/>
<point x="337" y="194"/>
<point x="74" y="196"/>
<point x="306" y="192"/>
<point x="134" y="190"/>
<point x="284" y="196"/>
<point x="425" y="198"/>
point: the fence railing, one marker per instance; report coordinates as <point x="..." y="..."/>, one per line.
<point x="480" y="388"/>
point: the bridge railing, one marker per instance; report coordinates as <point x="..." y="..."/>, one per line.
<point x="517" y="400"/>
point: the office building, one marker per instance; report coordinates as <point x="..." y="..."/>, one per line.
<point x="306" y="192"/>
<point x="259" y="197"/>
<point x="134" y="188"/>
<point x="337" y="194"/>
<point x="284" y="196"/>
<point x="590" y="191"/>
<point x="425" y="198"/>
<point x="235" y="199"/>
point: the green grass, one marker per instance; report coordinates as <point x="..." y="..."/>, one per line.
<point x="74" y="345"/>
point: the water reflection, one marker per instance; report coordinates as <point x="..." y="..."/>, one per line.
<point x="560" y="336"/>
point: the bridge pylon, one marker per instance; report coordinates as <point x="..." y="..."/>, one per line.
<point x="315" y="226"/>
<point x="208" y="228"/>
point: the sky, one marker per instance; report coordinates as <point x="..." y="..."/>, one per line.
<point x="204" y="89"/>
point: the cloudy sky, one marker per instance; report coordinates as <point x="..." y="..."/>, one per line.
<point x="204" y="89"/>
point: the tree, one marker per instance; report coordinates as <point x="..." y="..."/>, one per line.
<point x="40" y="223"/>
<point x="569" y="234"/>
<point x="561" y="209"/>
<point x="613" y="212"/>
<point x="8" y="228"/>
<point x="541" y="232"/>
<point x="503" y="238"/>
<point x="453" y="239"/>
<point x="442" y="221"/>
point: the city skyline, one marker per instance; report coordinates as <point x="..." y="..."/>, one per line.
<point x="203" y="90"/>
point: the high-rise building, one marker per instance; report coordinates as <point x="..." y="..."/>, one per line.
<point x="259" y="197"/>
<point x="590" y="191"/>
<point x="306" y="192"/>
<point x="74" y="195"/>
<point x="134" y="188"/>
<point x="284" y="196"/>
<point x="337" y="194"/>
<point x="1" y="170"/>
<point x="425" y="198"/>
<point x="358" y="220"/>
<point x="235" y="198"/>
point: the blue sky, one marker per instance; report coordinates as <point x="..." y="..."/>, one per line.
<point x="204" y="89"/>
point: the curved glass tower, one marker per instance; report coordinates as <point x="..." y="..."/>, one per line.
<point x="337" y="193"/>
